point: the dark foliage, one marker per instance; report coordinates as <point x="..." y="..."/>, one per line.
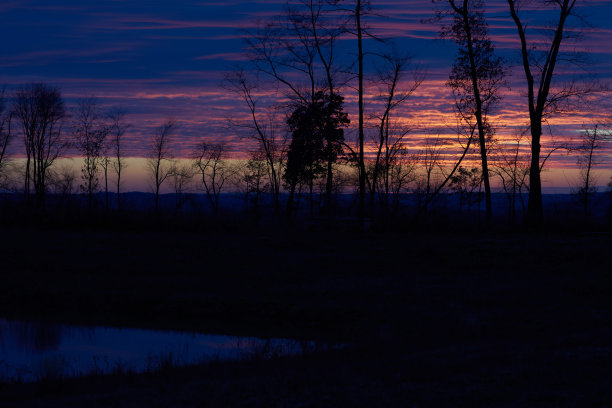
<point x="317" y="135"/>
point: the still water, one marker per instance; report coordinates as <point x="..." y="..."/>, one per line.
<point x="30" y="351"/>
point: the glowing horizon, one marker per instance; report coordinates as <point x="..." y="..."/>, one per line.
<point x="160" y="61"/>
<point x="137" y="178"/>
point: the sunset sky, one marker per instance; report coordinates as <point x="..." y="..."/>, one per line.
<point x="161" y="59"/>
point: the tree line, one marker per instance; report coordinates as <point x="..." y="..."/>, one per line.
<point x="299" y="54"/>
<point x="48" y="129"/>
<point x="301" y="146"/>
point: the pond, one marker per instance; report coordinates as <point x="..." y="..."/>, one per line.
<point x="31" y="351"/>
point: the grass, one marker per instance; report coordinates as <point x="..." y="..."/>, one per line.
<point x="444" y="319"/>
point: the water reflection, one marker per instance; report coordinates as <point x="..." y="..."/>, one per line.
<point x="36" y="337"/>
<point x="30" y="351"/>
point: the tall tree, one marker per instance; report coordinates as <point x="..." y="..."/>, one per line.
<point x="262" y="131"/>
<point x="591" y="141"/>
<point x="315" y="18"/>
<point x="297" y="51"/>
<point x="160" y="157"/>
<point x="400" y="173"/>
<point x="394" y="92"/>
<point x="254" y="177"/>
<point x="358" y="28"/>
<point x="118" y="127"/>
<point x="360" y="6"/>
<point x="317" y="131"/>
<point x="539" y="73"/>
<point x="512" y="168"/>
<point x="209" y="160"/>
<point x="5" y="129"/>
<point x="90" y="133"/>
<point x="465" y="182"/>
<point x="181" y="176"/>
<point x="432" y="156"/>
<point x="475" y="77"/>
<point x="39" y="109"/>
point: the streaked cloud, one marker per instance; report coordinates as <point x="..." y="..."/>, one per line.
<point x="161" y="59"/>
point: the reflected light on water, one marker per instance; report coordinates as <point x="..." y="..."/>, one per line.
<point x="31" y="351"/>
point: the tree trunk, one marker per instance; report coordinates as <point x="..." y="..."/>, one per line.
<point x="118" y="187"/>
<point x="535" y="213"/>
<point x="106" y="185"/>
<point x="478" y="113"/>
<point x="329" y="186"/>
<point x="362" y="174"/>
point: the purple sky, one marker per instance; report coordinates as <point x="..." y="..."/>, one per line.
<point x="161" y="59"/>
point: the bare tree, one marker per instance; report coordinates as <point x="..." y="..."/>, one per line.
<point x="360" y="6"/>
<point x="118" y="127"/>
<point x="389" y="139"/>
<point x="181" y="175"/>
<point x="297" y="51"/>
<point x="254" y="177"/>
<point x="476" y="75"/>
<point x="262" y="131"/>
<point x="5" y="129"/>
<point x="356" y="26"/>
<point x="63" y="181"/>
<point x="591" y="141"/>
<point x="400" y="173"/>
<point x="209" y="160"/>
<point x="323" y="33"/>
<point x="90" y="133"/>
<point x="279" y="56"/>
<point x="160" y="157"/>
<point x="105" y="164"/>
<point x="464" y="183"/>
<point x="512" y="168"/>
<point x="39" y="109"/>
<point x="539" y="68"/>
<point x="431" y="160"/>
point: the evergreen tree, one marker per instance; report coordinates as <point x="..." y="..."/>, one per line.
<point x="317" y="136"/>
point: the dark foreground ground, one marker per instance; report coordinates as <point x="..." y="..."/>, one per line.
<point x="428" y="320"/>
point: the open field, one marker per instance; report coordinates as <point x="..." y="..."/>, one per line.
<point x="447" y="319"/>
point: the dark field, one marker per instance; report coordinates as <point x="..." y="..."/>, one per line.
<point x="446" y="319"/>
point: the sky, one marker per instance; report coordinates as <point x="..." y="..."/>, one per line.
<point x="161" y="59"/>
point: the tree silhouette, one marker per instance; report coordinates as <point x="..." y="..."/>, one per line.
<point x="361" y="6"/>
<point x="263" y="131"/>
<point x="297" y="51"/>
<point x="431" y="160"/>
<point x="5" y="129"/>
<point x="254" y="177"/>
<point x="539" y="71"/>
<point x="464" y="183"/>
<point x="39" y="109"/>
<point x="63" y="181"/>
<point x="512" y="168"/>
<point x="317" y="19"/>
<point x="160" y="157"/>
<point x="181" y="175"/>
<point x="475" y="77"/>
<point x="214" y="170"/>
<point x="394" y="92"/>
<point x="90" y="133"/>
<point x="118" y="127"/>
<point x="317" y="134"/>
<point x="591" y="141"/>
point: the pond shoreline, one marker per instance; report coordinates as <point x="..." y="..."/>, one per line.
<point x="459" y="319"/>
<point x="34" y="351"/>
